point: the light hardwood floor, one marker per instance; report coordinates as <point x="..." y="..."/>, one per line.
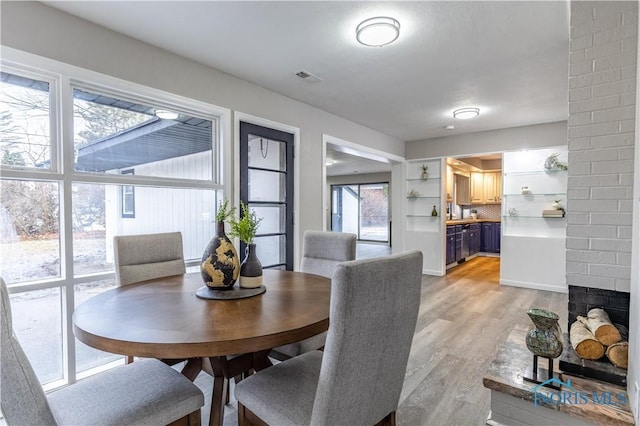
<point x="464" y="318"/>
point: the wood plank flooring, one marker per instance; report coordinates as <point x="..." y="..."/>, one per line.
<point x="464" y="318"/>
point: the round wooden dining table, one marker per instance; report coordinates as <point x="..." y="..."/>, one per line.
<point x="163" y="318"/>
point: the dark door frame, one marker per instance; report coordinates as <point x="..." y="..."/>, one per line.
<point x="246" y="128"/>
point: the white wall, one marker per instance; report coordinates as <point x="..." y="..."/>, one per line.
<point x="515" y="138"/>
<point x="35" y="28"/>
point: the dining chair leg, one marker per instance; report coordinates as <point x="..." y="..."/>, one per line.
<point x="242" y="419"/>
<point x="129" y="359"/>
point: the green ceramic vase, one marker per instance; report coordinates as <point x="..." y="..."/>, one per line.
<point x="544" y="337"/>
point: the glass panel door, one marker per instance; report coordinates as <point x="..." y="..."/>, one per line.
<point x="266" y="185"/>
<point x="362" y="210"/>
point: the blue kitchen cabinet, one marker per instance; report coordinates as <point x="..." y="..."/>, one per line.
<point x="474" y="238"/>
<point x="451" y="245"/>
<point x="496" y="237"/>
<point x="458" y="253"/>
<point x="490" y="237"/>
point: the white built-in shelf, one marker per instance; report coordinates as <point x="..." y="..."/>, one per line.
<point x="533" y="217"/>
<point x="423" y="180"/>
<point x="534" y="172"/>
<point x="551" y="194"/>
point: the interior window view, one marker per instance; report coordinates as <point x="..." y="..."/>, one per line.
<point x="337" y="213"/>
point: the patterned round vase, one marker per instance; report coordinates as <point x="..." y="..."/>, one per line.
<point x="251" y="269"/>
<point x="544" y="337"/>
<point x="220" y="264"/>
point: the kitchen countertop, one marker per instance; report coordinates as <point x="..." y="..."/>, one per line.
<point x="467" y="221"/>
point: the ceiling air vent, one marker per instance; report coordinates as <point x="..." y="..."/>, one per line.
<point x="307" y="76"/>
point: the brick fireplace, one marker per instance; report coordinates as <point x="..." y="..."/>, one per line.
<point x="601" y="137"/>
<point x="616" y="303"/>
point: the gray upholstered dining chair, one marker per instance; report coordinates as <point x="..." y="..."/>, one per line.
<point x="148" y="256"/>
<point x="358" y="378"/>
<point x="146" y="392"/>
<point x="321" y="252"/>
<point x="144" y="257"/>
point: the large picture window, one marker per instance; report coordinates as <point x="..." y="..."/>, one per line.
<point x="57" y="223"/>
<point x="25" y="121"/>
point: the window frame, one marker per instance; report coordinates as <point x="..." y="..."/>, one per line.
<point x="62" y="79"/>
<point x="124" y="191"/>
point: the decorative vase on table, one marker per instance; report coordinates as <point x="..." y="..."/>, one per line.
<point x="544" y="337"/>
<point x="220" y="266"/>
<point x="250" y="269"/>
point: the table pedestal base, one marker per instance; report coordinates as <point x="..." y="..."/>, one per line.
<point x="223" y="368"/>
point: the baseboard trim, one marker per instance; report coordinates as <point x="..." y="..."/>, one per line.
<point x="535" y="286"/>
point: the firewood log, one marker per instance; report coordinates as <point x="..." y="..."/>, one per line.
<point x="601" y="326"/>
<point x="618" y="354"/>
<point x="624" y="332"/>
<point x="584" y="342"/>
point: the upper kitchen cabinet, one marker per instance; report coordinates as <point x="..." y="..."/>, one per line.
<point x="492" y="182"/>
<point x="475" y="180"/>
<point x="449" y="184"/>
<point x="486" y="187"/>
<point x="477" y="188"/>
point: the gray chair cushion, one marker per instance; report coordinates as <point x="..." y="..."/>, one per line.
<point x="374" y="308"/>
<point x="145" y="257"/>
<point x="147" y="392"/>
<point x="283" y="395"/>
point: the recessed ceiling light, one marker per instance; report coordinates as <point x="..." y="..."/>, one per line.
<point x="466" y="113"/>
<point x="166" y="114"/>
<point x="378" y="31"/>
<point x="449" y="127"/>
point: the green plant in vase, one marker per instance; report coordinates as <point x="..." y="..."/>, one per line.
<point x="245" y="229"/>
<point x="225" y="212"/>
<point x="220" y="265"/>
<point x="424" y="174"/>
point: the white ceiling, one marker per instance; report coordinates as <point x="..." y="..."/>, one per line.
<point x="508" y="58"/>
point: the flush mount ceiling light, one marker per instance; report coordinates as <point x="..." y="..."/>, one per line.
<point x="378" y="31"/>
<point x="166" y="114"/>
<point x="466" y="113"/>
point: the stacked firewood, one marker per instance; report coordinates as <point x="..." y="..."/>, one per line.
<point x="595" y="336"/>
